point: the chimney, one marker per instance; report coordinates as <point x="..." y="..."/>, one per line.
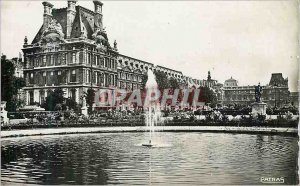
<point x="47" y="13"/>
<point x="71" y="12"/>
<point x="98" y="14"/>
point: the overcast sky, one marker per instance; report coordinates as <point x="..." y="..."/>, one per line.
<point x="247" y="40"/>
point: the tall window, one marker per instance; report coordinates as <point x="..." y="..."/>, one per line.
<point x="42" y="96"/>
<point x="73" y="94"/>
<point x="48" y="59"/>
<point x="89" y="58"/>
<point x="106" y="61"/>
<point x="66" y="58"/>
<point x="96" y="77"/>
<point x="44" y="61"/>
<point x="31" y="98"/>
<point x="109" y="64"/>
<point x="59" y="79"/>
<point x="31" y="78"/>
<point x="102" y="61"/>
<point x="51" y="60"/>
<point x="52" y="77"/>
<point x="55" y="59"/>
<point x="87" y="76"/>
<point x="94" y="59"/>
<point x="37" y="62"/>
<point x="73" y="76"/>
<point x="116" y="77"/>
<point x="44" y="78"/>
<point x="73" y="57"/>
<point x="98" y="60"/>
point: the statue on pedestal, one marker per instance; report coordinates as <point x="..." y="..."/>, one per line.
<point x="258" y="107"/>
<point x="258" y="90"/>
<point x="84" y="109"/>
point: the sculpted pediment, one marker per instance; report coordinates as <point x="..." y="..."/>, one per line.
<point x="52" y="34"/>
<point x="100" y="38"/>
<point x="138" y="71"/>
<point x="126" y="68"/>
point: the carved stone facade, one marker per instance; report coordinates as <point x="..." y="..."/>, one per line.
<point x="71" y="51"/>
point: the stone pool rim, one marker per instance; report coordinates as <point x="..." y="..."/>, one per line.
<point x="85" y="130"/>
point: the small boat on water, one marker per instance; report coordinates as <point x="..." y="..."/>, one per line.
<point x="147" y="144"/>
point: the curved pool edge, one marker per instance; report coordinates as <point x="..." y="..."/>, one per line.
<point x="83" y="130"/>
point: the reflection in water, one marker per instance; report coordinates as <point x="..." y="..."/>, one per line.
<point x="190" y="158"/>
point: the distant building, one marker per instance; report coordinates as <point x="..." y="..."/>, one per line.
<point x="231" y="83"/>
<point x="276" y="93"/>
<point x="294" y="99"/>
<point x="209" y="82"/>
<point x="131" y="72"/>
<point x="177" y="75"/>
<point x="18" y="63"/>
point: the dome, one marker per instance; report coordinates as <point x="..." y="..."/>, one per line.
<point x="231" y="82"/>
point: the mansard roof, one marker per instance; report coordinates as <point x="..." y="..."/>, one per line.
<point x="83" y="22"/>
<point x="278" y="80"/>
<point x="161" y="67"/>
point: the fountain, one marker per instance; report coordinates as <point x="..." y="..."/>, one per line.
<point x="153" y="113"/>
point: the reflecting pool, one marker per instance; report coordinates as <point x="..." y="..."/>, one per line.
<point x="179" y="158"/>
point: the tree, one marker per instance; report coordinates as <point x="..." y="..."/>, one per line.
<point x="54" y="98"/>
<point x="90" y="96"/>
<point x="71" y="104"/>
<point x="10" y="85"/>
<point x="144" y="80"/>
<point x="208" y="96"/>
<point x="162" y="80"/>
<point x="173" y="83"/>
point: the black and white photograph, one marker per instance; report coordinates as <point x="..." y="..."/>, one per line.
<point x="149" y="92"/>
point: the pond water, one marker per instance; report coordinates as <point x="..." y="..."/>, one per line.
<point x="119" y="158"/>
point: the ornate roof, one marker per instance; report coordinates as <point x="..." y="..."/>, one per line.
<point x="278" y="80"/>
<point x="230" y="80"/>
<point x="86" y="25"/>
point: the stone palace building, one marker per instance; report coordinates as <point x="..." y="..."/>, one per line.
<point x="276" y="93"/>
<point x="72" y="51"/>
